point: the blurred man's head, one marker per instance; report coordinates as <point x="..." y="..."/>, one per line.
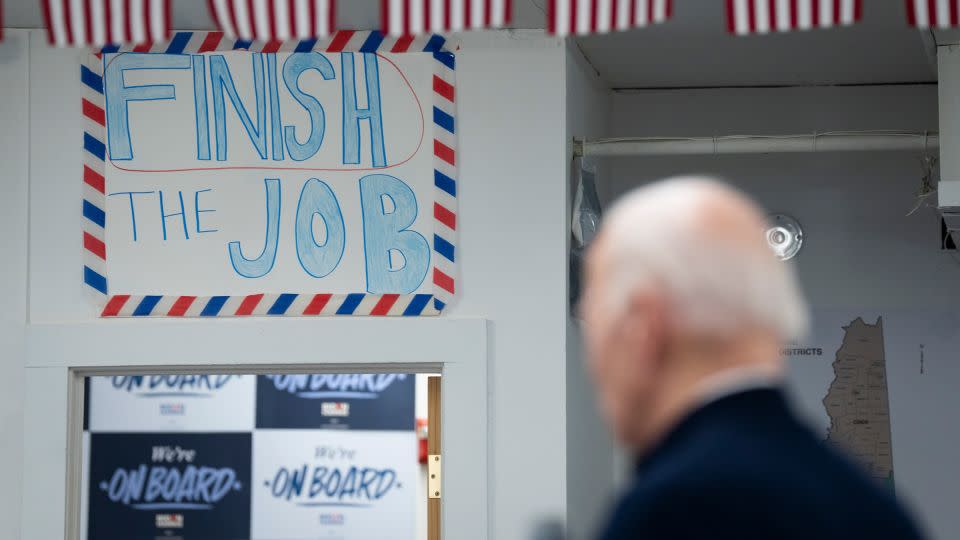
<point x="681" y="285"/>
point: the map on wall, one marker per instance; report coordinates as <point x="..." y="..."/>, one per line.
<point x="869" y="381"/>
<point x="857" y="401"/>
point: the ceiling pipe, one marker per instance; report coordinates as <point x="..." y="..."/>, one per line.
<point x="847" y="141"/>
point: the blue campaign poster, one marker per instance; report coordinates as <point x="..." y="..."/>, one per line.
<point x="188" y="486"/>
<point x="381" y="401"/>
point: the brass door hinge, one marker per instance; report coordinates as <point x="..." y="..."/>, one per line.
<point x="433" y="476"/>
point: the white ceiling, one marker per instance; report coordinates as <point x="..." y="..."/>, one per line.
<point x="691" y="50"/>
<point x="695" y="50"/>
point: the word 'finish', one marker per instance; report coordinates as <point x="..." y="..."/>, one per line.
<point x="284" y="139"/>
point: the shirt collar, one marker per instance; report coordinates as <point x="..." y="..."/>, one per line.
<point x="735" y="380"/>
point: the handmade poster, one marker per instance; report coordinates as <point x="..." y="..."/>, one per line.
<point x="370" y="401"/>
<point x="227" y="178"/>
<point x="310" y="484"/>
<point x="196" y="403"/>
<point x="186" y="485"/>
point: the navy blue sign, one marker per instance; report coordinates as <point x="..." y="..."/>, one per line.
<point x="381" y="401"/>
<point x="186" y="486"/>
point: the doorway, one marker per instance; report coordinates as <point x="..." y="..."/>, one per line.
<point x="334" y="456"/>
<point x="58" y="366"/>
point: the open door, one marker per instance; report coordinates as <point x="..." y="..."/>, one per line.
<point x="434" y="459"/>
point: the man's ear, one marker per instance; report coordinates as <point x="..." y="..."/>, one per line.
<point x="644" y="323"/>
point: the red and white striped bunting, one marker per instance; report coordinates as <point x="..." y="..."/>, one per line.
<point x="933" y="14"/>
<point x="415" y="17"/>
<point x="95" y="23"/>
<point x="274" y="20"/>
<point x="745" y="17"/>
<point x="581" y="17"/>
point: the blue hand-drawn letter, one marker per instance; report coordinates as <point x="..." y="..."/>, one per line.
<point x="133" y="213"/>
<point x="319" y="258"/>
<point x="261" y="266"/>
<point x="293" y="67"/>
<point x="119" y="95"/>
<point x="385" y="233"/>
<point x="222" y="80"/>
<point x="200" y="107"/>
<point x="276" y="137"/>
<point x="352" y="114"/>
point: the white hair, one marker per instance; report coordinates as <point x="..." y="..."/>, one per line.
<point x="654" y="238"/>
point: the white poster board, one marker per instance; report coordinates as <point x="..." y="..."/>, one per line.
<point x="180" y="403"/>
<point x="340" y="484"/>
<point x="297" y="181"/>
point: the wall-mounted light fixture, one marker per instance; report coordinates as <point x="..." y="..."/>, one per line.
<point x="785" y="236"/>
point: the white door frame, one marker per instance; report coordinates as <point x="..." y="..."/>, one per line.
<point x="60" y="355"/>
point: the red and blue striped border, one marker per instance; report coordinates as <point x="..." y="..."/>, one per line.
<point x="444" y="177"/>
<point x="284" y="304"/>
<point x="94" y="164"/>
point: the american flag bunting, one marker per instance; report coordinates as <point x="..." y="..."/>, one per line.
<point x="745" y="17"/>
<point x="274" y="20"/>
<point x="933" y="14"/>
<point x="95" y="23"/>
<point x="582" y="17"/>
<point x="403" y="18"/>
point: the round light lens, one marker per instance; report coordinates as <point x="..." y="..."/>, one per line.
<point x="785" y="236"/>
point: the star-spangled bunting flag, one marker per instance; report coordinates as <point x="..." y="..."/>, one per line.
<point x="581" y="17"/>
<point x="95" y="23"/>
<point x="272" y="20"/>
<point x="745" y="17"/>
<point x="933" y="14"/>
<point x="416" y="17"/>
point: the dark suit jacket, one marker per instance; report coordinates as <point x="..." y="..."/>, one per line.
<point x="743" y="467"/>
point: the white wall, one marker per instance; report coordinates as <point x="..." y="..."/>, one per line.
<point x="512" y="251"/>
<point x="590" y="451"/>
<point x="513" y="263"/>
<point x="13" y="270"/>
<point x="860" y="251"/>
<point x="852" y="204"/>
